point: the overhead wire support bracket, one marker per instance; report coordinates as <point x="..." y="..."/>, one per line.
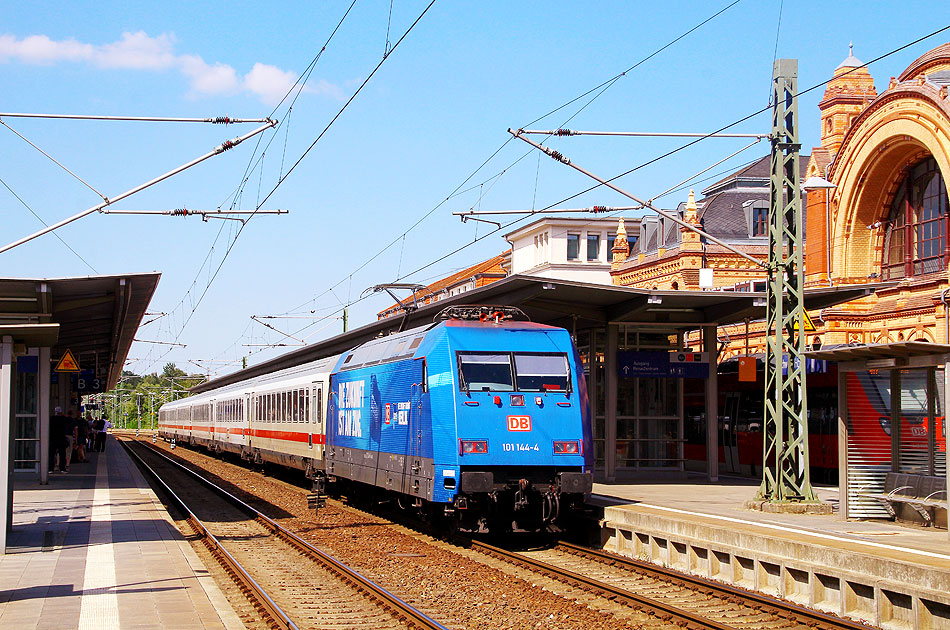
<point x="228" y="144"/>
<point x="205" y="214"/>
<point x="163" y="343"/>
<point x="257" y="319"/>
<point x="640" y="134"/>
<point x="470" y="216"/>
<point x="216" y="120"/>
<point x="474" y="214"/>
<point x="560" y="157"/>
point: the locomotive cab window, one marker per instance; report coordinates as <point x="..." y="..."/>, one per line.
<point x="484" y="372"/>
<point x="542" y="373"/>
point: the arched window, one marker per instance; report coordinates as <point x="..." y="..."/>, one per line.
<point x="916" y="238"/>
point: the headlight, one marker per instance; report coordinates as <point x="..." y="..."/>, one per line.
<point x="567" y="447"/>
<point x="473" y="447"/>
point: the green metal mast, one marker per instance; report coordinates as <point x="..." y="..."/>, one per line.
<point x="785" y="476"/>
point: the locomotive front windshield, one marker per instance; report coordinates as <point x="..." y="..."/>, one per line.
<point x="519" y="371"/>
<point x="485" y="372"/>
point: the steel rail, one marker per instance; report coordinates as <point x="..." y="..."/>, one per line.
<point x="405" y="611"/>
<point x="674" y="614"/>
<point x="772" y="605"/>
<point x="270" y="608"/>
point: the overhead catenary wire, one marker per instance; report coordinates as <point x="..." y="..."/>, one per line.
<point x="466" y="245"/>
<point x="646" y="204"/>
<point x="228" y="144"/>
<point x="676" y="150"/>
<point x="600" y="89"/>
<point x="40" y="219"/>
<point x="54" y="160"/>
<point x="284" y="176"/>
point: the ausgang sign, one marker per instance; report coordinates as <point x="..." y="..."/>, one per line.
<point x="632" y="364"/>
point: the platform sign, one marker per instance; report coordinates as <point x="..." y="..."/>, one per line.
<point x="677" y="364"/>
<point x="86" y="382"/>
<point x="68" y="363"/>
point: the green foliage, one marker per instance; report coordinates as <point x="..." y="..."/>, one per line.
<point x="138" y="397"/>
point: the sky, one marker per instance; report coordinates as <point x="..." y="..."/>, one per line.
<point x="370" y="197"/>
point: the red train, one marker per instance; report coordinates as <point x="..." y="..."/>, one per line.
<point x="741" y="413"/>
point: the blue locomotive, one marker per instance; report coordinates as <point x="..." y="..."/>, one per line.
<point x="481" y="418"/>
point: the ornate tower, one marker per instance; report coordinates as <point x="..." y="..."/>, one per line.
<point x="621" y="248"/>
<point x="691" y="240"/>
<point x="846" y="96"/>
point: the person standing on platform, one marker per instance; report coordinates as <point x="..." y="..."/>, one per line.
<point x="70" y="429"/>
<point x="57" y="441"/>
<point x="82" y="434"/>
<point x="90" y="433"/>
<point x="101" y="432"/>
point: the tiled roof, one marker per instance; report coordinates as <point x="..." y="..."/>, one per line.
<point x="938" y="54"/>
<point x="757" y="173"/>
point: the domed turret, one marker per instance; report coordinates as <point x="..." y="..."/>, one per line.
<point x="846" y="96"/>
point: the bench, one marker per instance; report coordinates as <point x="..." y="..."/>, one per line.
<point x="923" y="493"/>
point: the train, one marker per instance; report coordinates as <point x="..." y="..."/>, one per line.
<point x="480" y="419"/>
<point x="741" y="412"/>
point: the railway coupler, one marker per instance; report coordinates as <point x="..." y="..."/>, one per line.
<point x="521" y="495"/>
<point x="317" y="498"/>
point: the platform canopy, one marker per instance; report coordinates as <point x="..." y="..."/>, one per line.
<point x="572" y="305"/>
<point x="94" y="317"/>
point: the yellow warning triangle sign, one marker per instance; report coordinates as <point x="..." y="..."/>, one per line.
<point x="68" y="363"/>
<point x="809" y="325"/>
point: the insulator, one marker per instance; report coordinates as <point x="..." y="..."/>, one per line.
<point x="227" y="145"/>
<point x="222" y="120"/>
<point x="599" y="209"/>
<point x="564" y="132"/>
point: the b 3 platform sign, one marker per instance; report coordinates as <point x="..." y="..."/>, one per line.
<point x="677" y="364"/>
<point x="85" y="382"/>
<point x="67" y="363"/>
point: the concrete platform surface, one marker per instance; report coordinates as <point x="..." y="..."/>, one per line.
<point x="95" y="549"/>
<point x="723" y="503"/>
<point x="890" y="575"/>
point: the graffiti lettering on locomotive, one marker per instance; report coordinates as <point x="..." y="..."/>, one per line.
<point x="349" y="418"/>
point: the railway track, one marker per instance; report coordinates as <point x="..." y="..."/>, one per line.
<point x="635" y="593"/>
<point x="264" y="559"/>
<point x="664" y="594"/>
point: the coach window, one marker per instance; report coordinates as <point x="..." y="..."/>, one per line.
<point x="296" y="396"/>
<point x="305" y="402"/>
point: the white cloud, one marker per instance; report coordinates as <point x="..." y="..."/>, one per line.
<point x="208" y="79"/>
<point x="325" y="88"/>
<point x="41" y="50"/>
<point x="270" y="83"/>
<point x="140" y="51"/>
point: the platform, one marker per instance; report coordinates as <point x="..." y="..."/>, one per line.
<point x="887" y="574"/>
<point x="95" y="549"/>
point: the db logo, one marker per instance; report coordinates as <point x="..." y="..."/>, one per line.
<point x="519" y="423"/>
